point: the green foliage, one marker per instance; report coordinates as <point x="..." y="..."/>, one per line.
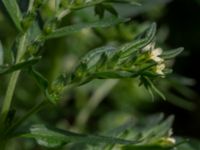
<point x="172" y="53"/>
<point x="14" y="12"/>
<point x="76" y="28"/>
<point x="122" y="59"/>
<point x="50" y="137"/>
<point x="1" y="54"/>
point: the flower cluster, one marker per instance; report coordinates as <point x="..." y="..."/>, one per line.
<point x="155" y="55"/>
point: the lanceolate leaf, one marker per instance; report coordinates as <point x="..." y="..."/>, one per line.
<point x="14" y="12"/>
<point x="76" y="28"/>
<point x="133" y="2"/>
<point x="172" y="53"/>
<point x="18" y="66"/>
<point x="93" y="56"/>
<point x="51" y="137"/>
<point x="114" y="74"/>
<point x="146" y="147"/>
<point x="41" y="81"/>
<point x="141" y="42"/>
<point x="153" y="87"/>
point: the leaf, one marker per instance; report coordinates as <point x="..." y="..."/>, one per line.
<point x="51" y="137"/>
<point x="172" y="53"/>
<point x="110" y="9"/>
<point x="159" y="131"/>
<point x="14" y="12"/>
<point x="42" y="83"/>
<point x="132" y="2"/>
<point x="78" y="27"/>
<point x="146" y="147"/>
<point x="30" y="62"/>
<point x="99" y="10"/>
<point x="153" y="87"/>
<point x="40" y="79"/>
<point x="113" y="75"/>
<point x="93" y="56"/>
<point x="143" y="40"/>
<point x="1" y="54"/>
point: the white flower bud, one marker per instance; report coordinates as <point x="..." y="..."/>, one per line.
<point x="159" y="69"/>
<point x="170" y="140"/>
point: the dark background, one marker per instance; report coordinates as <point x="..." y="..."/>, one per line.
<point x="183" y="19"/>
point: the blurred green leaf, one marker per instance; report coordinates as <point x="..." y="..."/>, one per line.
<point x="99" y="10"/>
<point x="1" y="54"/>
<point x="133" y="2"/>
<point x="153" y="87"/>
<point x="14" y="12"/>
<point x="51" y="137"/>
<point x="172" y="53"/>
<point x="155" y="133"/>
<point x="78" y="27"/>
<point x="146" y="147"/>
<point x="110" y="9"/>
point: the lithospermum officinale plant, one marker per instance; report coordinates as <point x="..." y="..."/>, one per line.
<point x="136" y="59"/>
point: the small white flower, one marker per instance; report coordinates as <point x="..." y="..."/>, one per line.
<point x="159" y="69"/>
<point x="169" y="140"/>
<point x="155" y="55"/>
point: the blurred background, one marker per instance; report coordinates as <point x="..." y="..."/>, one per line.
<point x="103" y="105"/>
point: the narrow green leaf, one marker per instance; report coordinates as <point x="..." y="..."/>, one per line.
<point x="99" y="10"/>
<point x="146" y="147"/>
<point x="110" y="9"/>
<point x="153" y="87"/>
<point x="132" y="2"/>
<point x="1" y="54"/>
<point x="154" y="134"/>
<point x="30" y="62"/>
<point x="113" y="75"/>
<point x="40" y="79"/>
<point x="143" y="40"/>
<point x="172" y="53"/>
<point x="51" y="137"/>
<point x="102" y="61"/>
<point x="43" y="84"/>
<point x="14" y="12"/>
<point x="78" y="27"/>
<point x="92" y="57"/>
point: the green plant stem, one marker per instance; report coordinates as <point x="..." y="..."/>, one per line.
<point x="9" y="95"/>
<point x="13" y="80"/>
<point x="30" y="6"/>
